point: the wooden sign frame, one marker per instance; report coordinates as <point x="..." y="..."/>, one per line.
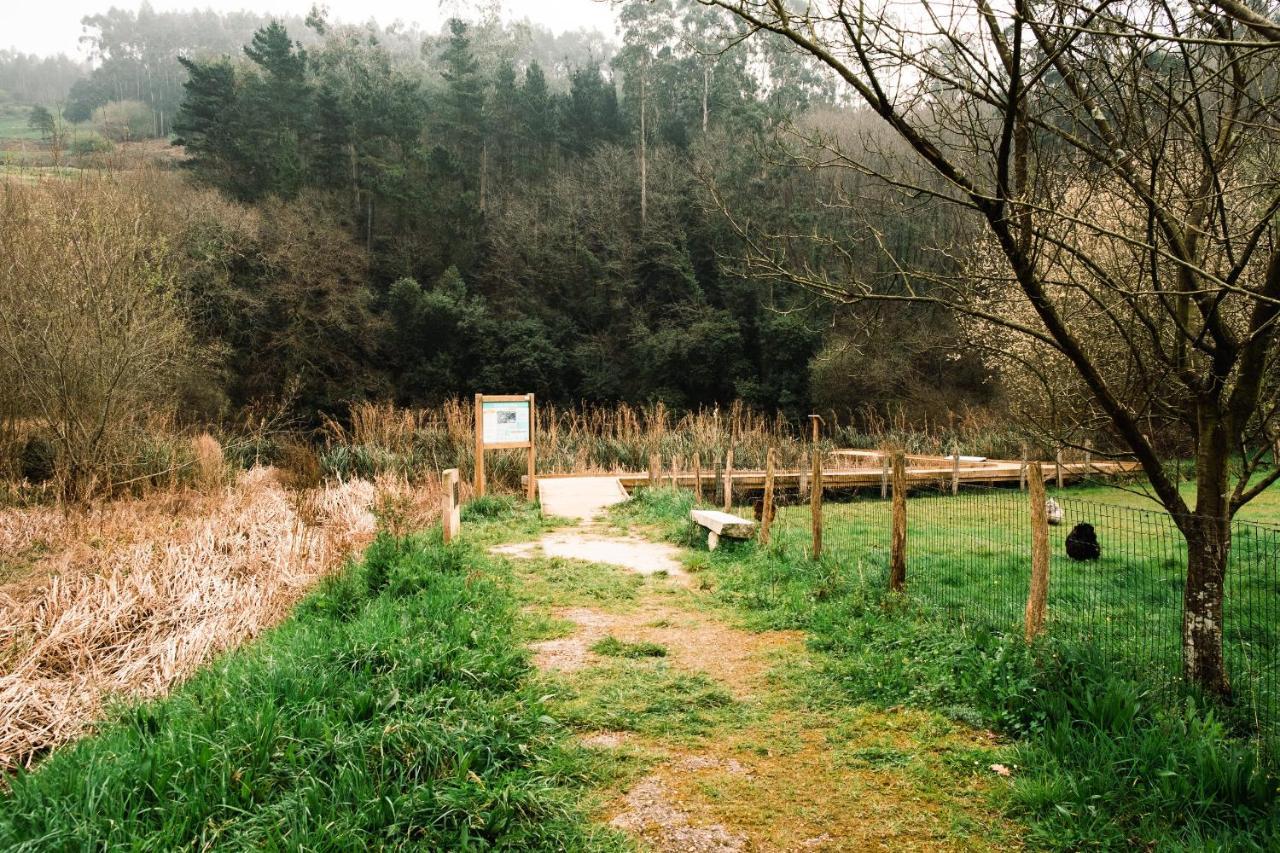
<point x="482" y="445"/>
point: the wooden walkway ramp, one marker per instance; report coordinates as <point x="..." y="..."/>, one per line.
<point x="579" y="497"/>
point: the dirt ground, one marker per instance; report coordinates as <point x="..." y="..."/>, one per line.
<point x="768" y="770"/>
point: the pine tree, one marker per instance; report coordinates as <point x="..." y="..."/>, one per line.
<point x="537" y="110"/>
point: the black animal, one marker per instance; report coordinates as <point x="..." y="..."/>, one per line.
<point x="1082" y="543"/>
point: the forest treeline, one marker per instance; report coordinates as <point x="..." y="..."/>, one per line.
<point x="416" y="217"/>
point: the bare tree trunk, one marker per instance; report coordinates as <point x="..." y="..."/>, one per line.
<point x="644" y="165"/>
<point x="706" y="96"/>
<point x="1208" y="534"/>
<point x="1207" y="551"/>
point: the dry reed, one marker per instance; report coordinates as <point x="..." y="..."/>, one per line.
<point x="140" y="605"/>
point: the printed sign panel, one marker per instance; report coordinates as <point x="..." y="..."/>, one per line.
<point x="506" y="423"/>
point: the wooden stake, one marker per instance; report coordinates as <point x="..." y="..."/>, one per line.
<point x="478" y="469"/>
<point x="815" y="420"/>
<point x="898" y="551"/>
<point x="728" y="480"/>
<point x="450" y="512"/>
<point x="697" y="477"/>
<point x="815" y="502"/>
<point x="1038" y="596"/>
<point x="675" y="479"/>
<point x="884" y="474"/>
<point x="766" y="515"/>
<point x="531" y="489"/>
<point x="1022" y="471"/>
<point x="1058" y="466"/>
<point x="655" y="465"/>
<point x="955" y="473"/>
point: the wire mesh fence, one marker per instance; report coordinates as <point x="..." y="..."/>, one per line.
<point x="969" y="560"/>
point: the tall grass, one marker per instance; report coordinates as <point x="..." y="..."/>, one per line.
<point x="377" y="437"/>
<point x="393" y="711"/>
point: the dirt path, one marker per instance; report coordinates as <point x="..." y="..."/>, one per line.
<point x="731" y="752"/>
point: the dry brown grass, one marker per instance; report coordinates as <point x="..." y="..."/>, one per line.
<point x="126" y="598"/>
<point x="210" y="469"/>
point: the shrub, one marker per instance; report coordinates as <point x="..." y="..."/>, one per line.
<point x="90" y="144"/>
<point x="94" y="340"/>
<point x="121" y="121"/>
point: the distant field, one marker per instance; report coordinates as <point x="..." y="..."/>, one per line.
<point x="14" y="126"/>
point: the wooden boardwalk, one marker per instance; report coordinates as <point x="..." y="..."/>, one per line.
<point x="859" y="469"/>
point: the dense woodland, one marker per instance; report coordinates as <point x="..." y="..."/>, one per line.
<point x="417" y="216"/>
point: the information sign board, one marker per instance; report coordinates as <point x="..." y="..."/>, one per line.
<point x="506" y="422"/>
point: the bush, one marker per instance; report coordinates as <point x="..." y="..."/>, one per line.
<point x="96" y="340"/>
<point x="90" y="144"/>
<point x="122" y="121"/>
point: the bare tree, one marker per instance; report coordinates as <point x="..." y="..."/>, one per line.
<point x="1119" y="159"/>
<point x="92" y="337"/>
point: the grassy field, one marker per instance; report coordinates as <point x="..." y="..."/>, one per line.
<point x="968" y="560"/>
<point x="1102" y="760"/>
<point x="14" y="125"/>
<point x="393" y="710"/>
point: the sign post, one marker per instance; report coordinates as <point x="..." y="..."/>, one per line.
<point x="505" y="422"/>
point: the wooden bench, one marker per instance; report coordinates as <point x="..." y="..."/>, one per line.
<point x="722" y="524"/>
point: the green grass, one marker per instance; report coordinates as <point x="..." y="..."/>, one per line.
<point x="14" y="125"/>
<point x="394" y="709"/>
<point x="647" y="696"/>
<point x="560" y="582"/>
<point x="1103" y="760"/>
<point x="613" y="647"/>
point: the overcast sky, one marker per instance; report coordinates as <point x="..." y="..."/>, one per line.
<point x="53" y="26"/>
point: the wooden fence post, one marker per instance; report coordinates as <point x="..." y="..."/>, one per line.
<point x="450" y="512"/>
<point x="955" y="473"/>
<point x="675" y="478"/>
<point x="477" y="485"/>
<point x="728" y="480"/>
<point x="1038" y="596"/>
<point x="884" y="474"/>
<point x="766" y="510"/>
<point x="1058" y="465"/>
<point x="898" y="540"/>
<point x="1022" y="471"/>
<point x="697" y="477"/>
<point x="655" y="465"/>
<point x="815" y="501"/>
